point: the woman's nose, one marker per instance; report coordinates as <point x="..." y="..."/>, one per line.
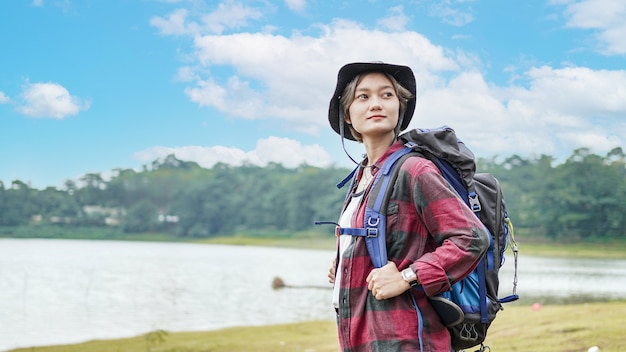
<point x="375" y="104"/>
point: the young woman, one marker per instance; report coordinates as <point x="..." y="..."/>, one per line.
<point x="433" y="239"/>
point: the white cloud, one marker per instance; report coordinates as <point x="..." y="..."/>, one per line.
<point x="288" y="152"/>
<point x="186" y="74"/>
<point x="50" y="100"/>
<point x="296" y="5"/>
<point x="174" y="24"/>
<point x="580" y="90"/>
<point x="606" y="17"/>
<point x="3" y="98"/>
<point x="451" y="12"/>
<point x="396" y="20"/>
<point x="290" y="78"/>
<point x="227" y="15"/>
<point x="236" y="97"/>
<point x="37" y="3"/>
<point x="560" y="110"/>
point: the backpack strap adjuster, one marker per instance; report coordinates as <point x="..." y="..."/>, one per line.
<point x="371" y="230"/>
<point x="474" y="202"/>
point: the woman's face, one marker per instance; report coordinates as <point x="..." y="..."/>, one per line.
<point x="376" y="107"/>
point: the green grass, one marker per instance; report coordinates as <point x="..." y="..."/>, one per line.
<point x="308" y="242"/>
<point x="82" y="233"/>
<point x="560" y="328"/>
<point x="555" y="328"/>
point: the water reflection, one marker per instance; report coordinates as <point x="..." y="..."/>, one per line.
<point x="60" y="291"/>
<point x="562" y="280"/>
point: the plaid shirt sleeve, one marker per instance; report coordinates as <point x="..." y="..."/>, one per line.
<point x="429" y="229"/>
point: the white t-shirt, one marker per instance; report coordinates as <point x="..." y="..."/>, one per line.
<point x="345" y="240"/>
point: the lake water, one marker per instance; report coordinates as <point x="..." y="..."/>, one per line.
<point x="67" y="291"/>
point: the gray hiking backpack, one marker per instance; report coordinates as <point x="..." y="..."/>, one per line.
<point x="477" y="294"/>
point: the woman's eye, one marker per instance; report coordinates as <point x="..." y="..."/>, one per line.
<point x="388" y="94"/>
<point x="362" y="96"/>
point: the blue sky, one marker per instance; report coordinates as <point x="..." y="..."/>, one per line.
<point x="93" y="86"/>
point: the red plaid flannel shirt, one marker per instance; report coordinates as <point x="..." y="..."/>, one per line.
<point x="428" y="228"/>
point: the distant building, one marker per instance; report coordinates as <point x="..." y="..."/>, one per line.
<point x="112" y="216"/>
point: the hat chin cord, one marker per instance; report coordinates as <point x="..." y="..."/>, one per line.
<point x="342" y="130"/>
<point x="396" y="131"/>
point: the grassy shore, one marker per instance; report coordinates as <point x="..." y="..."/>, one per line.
<point x="557" y="328"/>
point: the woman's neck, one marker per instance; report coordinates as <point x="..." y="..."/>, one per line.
<point x="375" y="148"/>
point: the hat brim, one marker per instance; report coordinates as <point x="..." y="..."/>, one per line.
<point x="403" y="74"/>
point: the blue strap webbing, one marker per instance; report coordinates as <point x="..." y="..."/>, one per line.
<point x="508" y="299"/>
<point x="490" y="252"/>
<point x="482" y="291"/>
<point x="375" y="222"/>
<point x="420" y="322"/>
<point x="350" y="177"/>
<point x="472" y="201"/>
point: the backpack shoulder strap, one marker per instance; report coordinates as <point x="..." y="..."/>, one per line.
<point x="375" y="222"/>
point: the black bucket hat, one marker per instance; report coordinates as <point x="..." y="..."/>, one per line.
<point x="403" y="74"/>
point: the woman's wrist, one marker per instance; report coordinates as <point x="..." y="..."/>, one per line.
<point x="410" y="277"/>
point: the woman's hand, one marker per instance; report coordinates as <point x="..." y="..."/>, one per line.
<point x="331" y="271"/>
<point x="386" y="282"/>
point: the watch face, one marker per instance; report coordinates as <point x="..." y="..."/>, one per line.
<point x="408" y="274"/>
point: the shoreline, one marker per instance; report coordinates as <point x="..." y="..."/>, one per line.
<point x="592" y="250"/>
<point x="577" y="250"/>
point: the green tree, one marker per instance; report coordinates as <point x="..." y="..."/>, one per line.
<point x="141" y="217"/>
<point x="53" y="202"/>
<point x="92" y="191"/>
<point x="586" y="202"/>
<point x="18" y="204"/>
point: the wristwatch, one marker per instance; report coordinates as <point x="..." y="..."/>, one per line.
<point x="409" y="276"/>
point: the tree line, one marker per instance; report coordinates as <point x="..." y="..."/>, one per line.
<point x="582" y="198"/>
